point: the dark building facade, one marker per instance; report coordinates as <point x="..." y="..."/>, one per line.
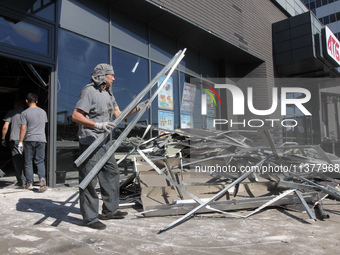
<point x="51" y="47"/>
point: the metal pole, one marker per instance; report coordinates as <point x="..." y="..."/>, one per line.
<point x="327" y="189"/>
<point x="202" y="137"/>
<point x="287" y="192"/>
<point x="172" y="181"/>
<point x="304" y="203"/>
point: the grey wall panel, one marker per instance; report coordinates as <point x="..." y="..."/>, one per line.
<point x="304" y="29"/>
<point x="306" y="52"/>
<point x="283" y="47"/>
<point x="163" y="47"/>
<point x="86" y="17"/>
<point x="129" y="34"/>
<point x="282" y="36"/>
<point x="302" y="41"/>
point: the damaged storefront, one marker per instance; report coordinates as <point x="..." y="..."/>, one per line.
<point x="214" y="122"/>
<point x="192" y="171"/>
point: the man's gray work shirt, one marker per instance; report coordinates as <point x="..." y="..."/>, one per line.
<point x="35" y="120"/>
<point x="98" y="106"/>
<point x="13" y="117"/>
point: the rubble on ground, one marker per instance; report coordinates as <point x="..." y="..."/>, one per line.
<point x="189" y="171"/>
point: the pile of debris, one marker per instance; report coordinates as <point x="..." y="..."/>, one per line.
<point x="198" y="171"/>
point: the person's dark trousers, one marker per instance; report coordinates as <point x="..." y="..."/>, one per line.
<point x="18" y="163"/>
<point x="108" y="178"/>
<point x="34" y="151"/>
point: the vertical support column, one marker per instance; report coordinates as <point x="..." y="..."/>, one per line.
<point x="52" y="137"/>
<point x="204" y="104"/>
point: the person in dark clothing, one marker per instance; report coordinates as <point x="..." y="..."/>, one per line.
<point x="11" y="120"/>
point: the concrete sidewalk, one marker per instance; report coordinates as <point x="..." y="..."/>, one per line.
<point x="50" y="223"/>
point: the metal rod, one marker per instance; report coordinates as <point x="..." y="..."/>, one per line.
<point x="322" y="154"/>
<point x="174" y="183"/>
<point x="127" y="130"/>
<point x="271" y="143"/>
<point x="287" y="192"/>
<point x="242" y="203"/>
<point x="173" y="177"/>
<point x="36" y="74"/>
<point x="218" y="195"/>
<point x="304" y="203"/>
<point x="178" y="187"/>
<point x="329" y="190"/>
<point x="198" y="136"/>
<point x="128" y="109"/>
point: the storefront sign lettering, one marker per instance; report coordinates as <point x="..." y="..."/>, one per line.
<point x="332" y="46"/>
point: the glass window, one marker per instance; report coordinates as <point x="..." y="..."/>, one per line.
<point x="324" y="2"/>
<point x="330" y="1"/>
<point x="190" y="104"/>
<point x="36" y="5"/>
<point x="326" y="20"/>
<point x="288" y="132"/>
<point x="332" y="18"/>
<point x="318" y="3"/>
<point x="297" y="133"/>
<point x="24" y="35"/>
<point x="338" y="16"/>
<point x="312" y="5"/>
<point x="131" y="74"/>
<point x="163" y="47"/>
<point x="129" y="34"/>
<point x="90" y="18"/>
<point x="46" y="11"/>
<point x="191" y="63"/>
<point x="300" y="130"/>
<point x="77" y="56"/>
<point x="209" y="67"/>
<point x="165" y="109"/>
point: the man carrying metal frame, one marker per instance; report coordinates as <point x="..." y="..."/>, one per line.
<point x="94" y="110"/>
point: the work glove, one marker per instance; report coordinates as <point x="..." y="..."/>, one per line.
<point x="142" y="104"/>
<point x="104" y="126"/>
<point x="20" y="148"/>
<point x="3" y="142"/>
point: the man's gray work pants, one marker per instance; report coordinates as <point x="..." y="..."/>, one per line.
<point x="108" y="178"/>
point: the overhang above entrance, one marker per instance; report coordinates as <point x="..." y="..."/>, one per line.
<point x="185" y="31"/>
<point x="298" y="48"/>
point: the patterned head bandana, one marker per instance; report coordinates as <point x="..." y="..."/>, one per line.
<point x="99" y="72"/>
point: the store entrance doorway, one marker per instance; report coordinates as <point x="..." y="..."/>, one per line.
<point x="17" y="79"/>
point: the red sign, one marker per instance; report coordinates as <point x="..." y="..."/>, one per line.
<point x="333" y="45"/>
